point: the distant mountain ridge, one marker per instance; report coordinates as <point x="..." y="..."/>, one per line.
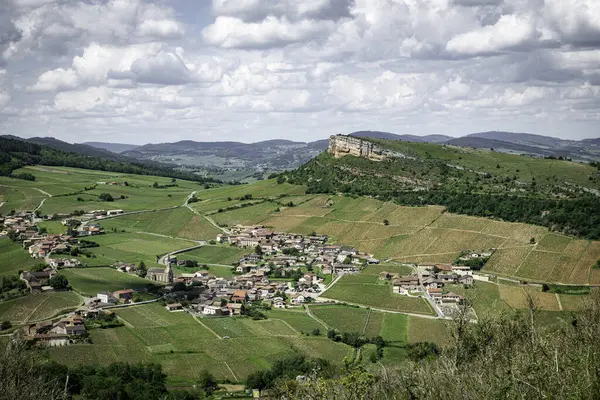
<point x="112" y="147"/>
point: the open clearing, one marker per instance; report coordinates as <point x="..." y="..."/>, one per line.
<point x="36" y="307"/>
<point x="13" y="257"/>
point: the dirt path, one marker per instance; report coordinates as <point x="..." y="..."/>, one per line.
<point x="207" y="328"/>
<point x="560" y="307"/>
<point x="310" y="314"/>
<point x="384" y="310"/>
<point x="43" y="192"/>
<point x="235" y="378"/>
<point x="366" y="322"/>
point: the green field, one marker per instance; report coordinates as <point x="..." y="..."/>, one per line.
<point x="14" y="258"/>
<point x="14" y="195"/>
<point x="378" y="295"/>
<point x="178" y="222"/>
<point x="216" y="254"/>
<point x="36" y="307"/>
<point x="185" y="346"/>
<point x="131" y="247"/>
<point x="90" y="281"/>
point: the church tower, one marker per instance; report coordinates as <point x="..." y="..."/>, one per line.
<point x="169" y="270"/>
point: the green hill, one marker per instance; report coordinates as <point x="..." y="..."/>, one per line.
<point x="16" y="153"/>
<point x="558" y="194"/>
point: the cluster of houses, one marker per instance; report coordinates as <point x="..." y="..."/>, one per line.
<point x="432" y="279"/>
<point x="216" y="296"/>
<point x="104" y="299"/>
<point x="38" y="281"/>
<point x="59" y="333"/>
<point x="97" y="214"/>
<point x="292" y="250"/>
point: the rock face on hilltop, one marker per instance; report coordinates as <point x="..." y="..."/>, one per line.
<point x="340" y="146"/>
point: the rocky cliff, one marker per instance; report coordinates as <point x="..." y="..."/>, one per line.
<point x="340" y="146"/>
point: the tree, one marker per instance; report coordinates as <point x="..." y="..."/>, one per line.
<point x="207" y="381"/>
<point x="316" y="332"/>
<point x="142" y="270"/>
<point x="58" y="282"/>
<point x="106" y="197"/>
<point x="386" y="222"/>
<point x="258" y="250"/>
<point x="532" y="240"/>
<point x="155" y="185"/>
<point x="597" y="265"/>
<point x="5" y="325"/>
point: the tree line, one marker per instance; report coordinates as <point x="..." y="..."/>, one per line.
<point x="15" y="154"/>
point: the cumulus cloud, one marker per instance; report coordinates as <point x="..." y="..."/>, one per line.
<point x="57" y="27"/>
<point x="422" y="66"/>
<point x="231" y="32"/>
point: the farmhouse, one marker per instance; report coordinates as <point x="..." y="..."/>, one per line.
<point x="174" y="307"/>
<point x="404" y="284"/>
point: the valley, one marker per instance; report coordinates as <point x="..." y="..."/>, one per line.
<point x="159" y="216"/>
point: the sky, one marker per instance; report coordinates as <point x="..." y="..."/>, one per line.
<point x="140" y="71"/>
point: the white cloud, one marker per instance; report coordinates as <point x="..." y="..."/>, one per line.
<point x="231" y="32"/>
<point x="418" y="66"/>
<point x="509" y="32"/>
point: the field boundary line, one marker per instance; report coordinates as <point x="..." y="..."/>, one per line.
<point x="211" y="331"/>
<point x="230" y="370"/>
<point x="579" y="259"/>
<point x="367" y="321"/>
<point x="523" y="262"/>
<point x="310" y="314"/>
<point x="560" y="307"/>
<point x="285" y="322"/>
<point x="35" y="309"/>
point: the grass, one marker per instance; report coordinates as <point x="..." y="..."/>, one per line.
<point x="342" y="318"/>
<point x="427" y="330"/>
<point x="36" y="307"/>
<point x="132" y="247"/>
<point x="375" y="295"/>
<point x="90" y="281"/>
<point x="178" y="222"/>
<point x="185" y="347"/>
<point x="14" y="195"/>
<point x="484" y="296"/>
<point x="13" y="258"/>
<point x="216" y="254"/>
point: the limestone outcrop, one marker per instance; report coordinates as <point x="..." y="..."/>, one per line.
<point x="340" y="145"/>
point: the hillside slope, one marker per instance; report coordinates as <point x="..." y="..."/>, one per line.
<point x="561" y="195"/>
<point x="16" y="153"/>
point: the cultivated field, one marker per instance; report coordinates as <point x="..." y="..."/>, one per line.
<point x="185" y="346"/>
<point x="364" y="290"/>
<point x="132" y="247"/>
<point x="428" y="235"/>
<point x="215" y="254"/>
<point x="36" y="307"/>
<point x="13" y="257"/>
<point x="90" y="281"/>
<point x="178" y="222"/>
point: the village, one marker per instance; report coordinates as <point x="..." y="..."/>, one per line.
<point x="280" y="270"/>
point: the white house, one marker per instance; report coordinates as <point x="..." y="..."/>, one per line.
<point x="106" y="297"/>
<point x="211" y="310"/>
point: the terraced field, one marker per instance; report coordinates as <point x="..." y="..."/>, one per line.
<point x="430" y="235"/>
